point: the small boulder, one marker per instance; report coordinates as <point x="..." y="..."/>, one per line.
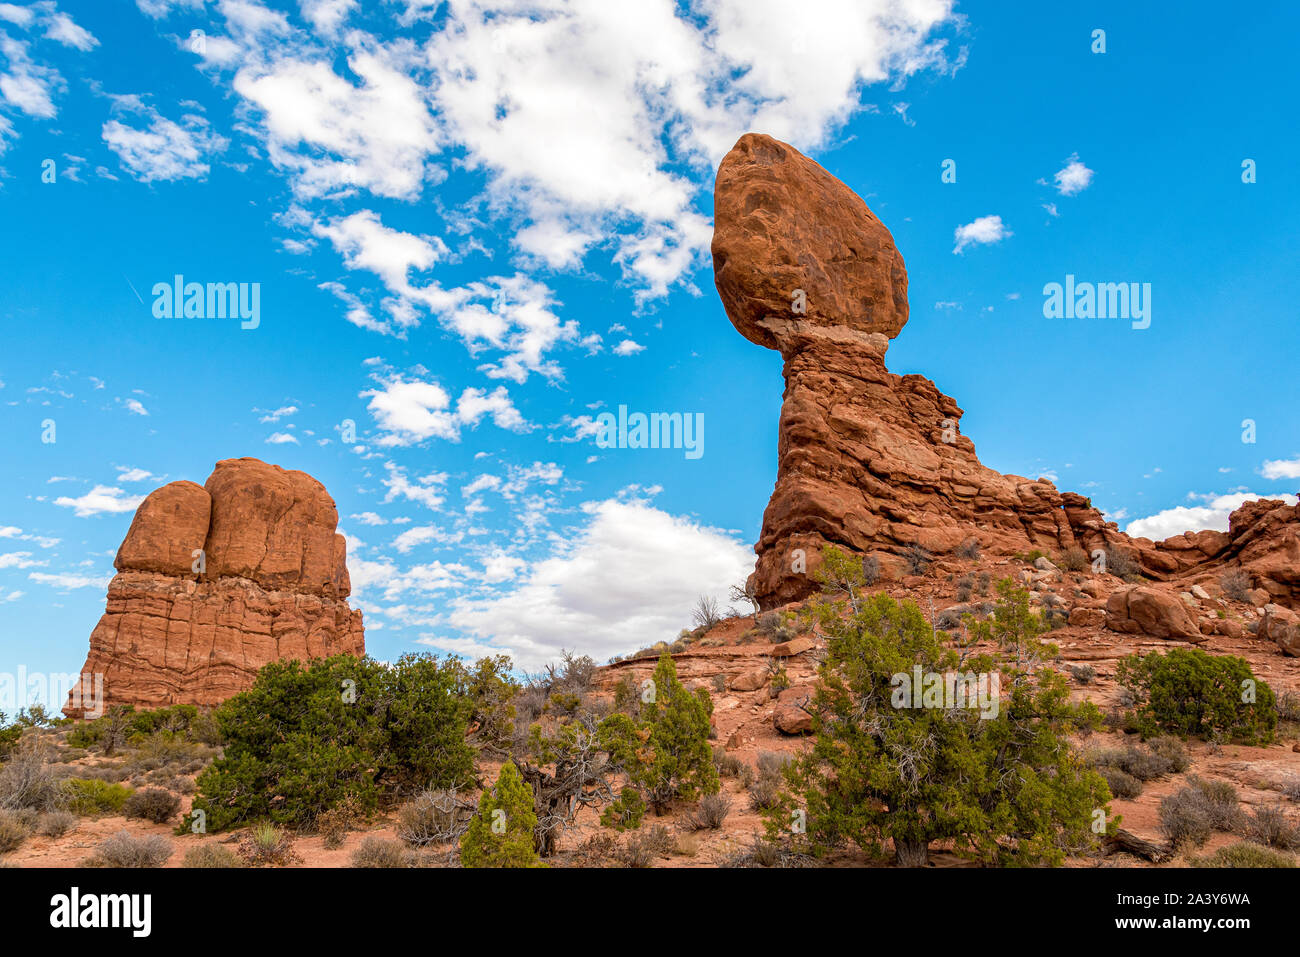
<point x="1281" y="626"/>
<point x="795" y="646"/>
<point x="750" y="680"/>
<point x="792" y="721"/>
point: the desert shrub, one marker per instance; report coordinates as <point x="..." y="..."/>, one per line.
<point x="965" y="588"/>
<point x="1171" y="750"/>
<point x="910" y="776"/>
<point x="1084" y="674"/>
<point x="56" y="823"/>
<point x="1073" y="559"/>
<point x="121" y="723"/>
<point x="13" y="831"/>
<point x="1235" y="583"/>
<point x="626" y="812"/>
<point x="87" y="796"/>
<point x="641" y="849"/>
<point x="706" y="613"/>
<point x="1121" y="783"/>
<point x="667" y="752"/>
<point x="1186" y="818"/>
<point x="969" y="549"/>
<point x="775" y="626"/>
<point x="381" y="852"/>
<point x="152" y="804"/>
<point x="719" y="682"/>
<point x="434" y="817"/>
<point x="765" y="787"/>
<point x="1273" y="827"/>
<point x="1243" y="855"/>
<point x="305" y="738"/>
<point x="211" y="855"/>
<point x="1188" y="692"/>
<point x="490" y="694"/>
<point x="918" y="559"/>
<point x="265" y="845"/>
<point x="728" y="765"/>
<point x="27" y="780"/>
<point x="1122" y="565"/>
<point x="125" y="850"/>
<point x="501" y="833"/>
<point x="1287" y="706"/>
<point x="1222" y="801"/>
<point x="841" y="572"/>
<point x="710" y="813"/>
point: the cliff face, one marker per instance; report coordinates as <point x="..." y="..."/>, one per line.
<point x="215" y="581"/>
<point x="875" y="462"/>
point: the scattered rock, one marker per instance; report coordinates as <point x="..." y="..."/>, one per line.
<point x="750" y="680"/>
<point x="795" y="646"/>
<point x="792" y="721"/>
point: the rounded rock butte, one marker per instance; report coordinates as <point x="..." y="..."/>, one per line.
<point x="216" y="581"/>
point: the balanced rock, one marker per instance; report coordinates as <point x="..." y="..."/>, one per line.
<point x="216" y="581"/>
<point x="867" y="460"/>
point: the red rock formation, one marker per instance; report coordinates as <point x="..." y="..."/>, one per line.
<point x="216" y="581"/>
<point x="875" y="462"/>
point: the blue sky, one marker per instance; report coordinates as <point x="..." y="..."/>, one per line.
<point x="475" y="228"/>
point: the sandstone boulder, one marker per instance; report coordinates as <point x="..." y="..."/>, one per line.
<point x="1281" y="626"/>
<point x="750" y="680"/>
<point x="795" y="646"/>
<point x="169" y="528"/>
<point x="1144" y="610"/>
<point x="792" y="721"/>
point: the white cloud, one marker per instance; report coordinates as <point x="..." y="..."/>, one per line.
<point x="627" y="580"/>
<point x="410" y="411"/>
<point x="275" y="415"/>
<point x="281" y="438"/>
<point x="1281" y="468"/>
<point x="1073" y="178"/>
<point x="427" y="491"/>
<point x="161" y="149"/>
<point x="67" y="580"/>
<point x="982" y="231"/>
<point x="1213" y="515"/>
<point x="370" y="518"/>
<point x="128" y="474"/>
<point x="628" y="348"/>
<point x="100" y="499"/>
<point x="19" y="560"/>
<point x="585" y="124"/>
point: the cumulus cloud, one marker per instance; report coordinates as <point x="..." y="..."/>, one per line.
<point x="982" y="232"/>
<point x="1212" y="515"/>
<point x="1281" y="468"/>
<point x="154" y="148"/>
<point x="627" y="580"/>
<point x="99" y="500"/>
<point x="408" y="411"/>
<point x="1073" y="178"/>
<point x="583" y="124"/>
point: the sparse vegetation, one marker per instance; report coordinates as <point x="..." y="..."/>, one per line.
<point x="910" y="776"/>
<point x="706" y="613"/>
<point x="1188" y="692"/>
<point x="710" y="813"/>
<point x="1236" y="583"/>
<point x="210" y="856"/>
<point x="126" y="850"/>
<point x="969" y="550"/>
<point x="305" y="738"/>
<point x="1073" y="559"/>
<point x="1243" y="855"/>
<point x="152" y="804"/>
<point x="918" y="560"/>
<point x="89" y="796"/>
<point x="501" y="833"/>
